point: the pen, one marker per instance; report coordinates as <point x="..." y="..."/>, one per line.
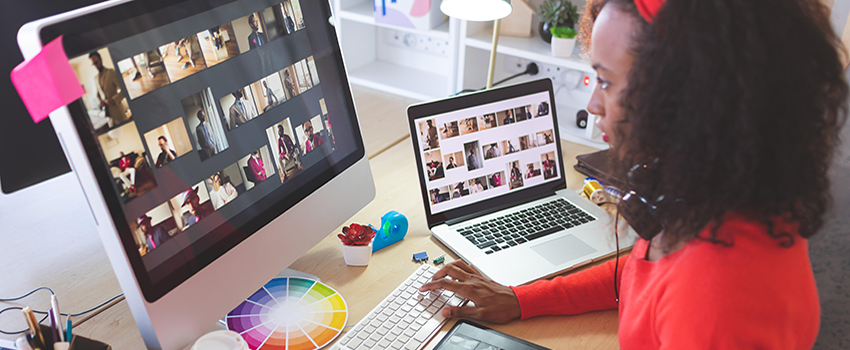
<point x="57" y="319"/>
<point x="68" y="334"/>
<point x="54" y="329"/>
<point x="32" y="322"/>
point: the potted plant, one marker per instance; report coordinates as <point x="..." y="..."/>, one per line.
<point x="556" y="13"/>
<point x="563" y="41"/>
<point x="357" y="244"/>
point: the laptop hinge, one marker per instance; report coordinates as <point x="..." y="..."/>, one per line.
<point x="494" y="209"/>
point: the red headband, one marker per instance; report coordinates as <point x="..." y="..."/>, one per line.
<point x="648" y="8"/>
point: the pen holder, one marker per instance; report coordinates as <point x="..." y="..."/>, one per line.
<point x="77" y="342"/>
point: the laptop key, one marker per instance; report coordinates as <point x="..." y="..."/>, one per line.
<point x="488" y="252"/>
<point x="496" y="248"/>
<point x="511" y="243"/>
<point x="486" y="245"/>
<point x="543" y="233"/>
<point x="520" y="240"/>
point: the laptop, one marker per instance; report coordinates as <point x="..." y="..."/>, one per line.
<point x="493" y="184"/>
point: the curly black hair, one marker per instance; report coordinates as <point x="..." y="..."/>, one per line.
<point x="740" y="102"/>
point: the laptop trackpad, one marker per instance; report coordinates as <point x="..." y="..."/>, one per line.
<point x="561" y="250"/>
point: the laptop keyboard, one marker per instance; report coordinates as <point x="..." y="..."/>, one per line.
<point x="525" y="225"/>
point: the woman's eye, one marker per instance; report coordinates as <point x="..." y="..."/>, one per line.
<point x="602" y="83"/>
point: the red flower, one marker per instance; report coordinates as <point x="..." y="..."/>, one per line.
<point x="356" y="235"/>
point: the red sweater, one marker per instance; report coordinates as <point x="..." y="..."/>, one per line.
<point x="752" y="295"/>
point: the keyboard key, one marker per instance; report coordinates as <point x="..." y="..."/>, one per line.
<point x="488" y="252"/>
<point x="486" y="245"/>
<point x="496" y="248"/>
<point x="543" y="233"/>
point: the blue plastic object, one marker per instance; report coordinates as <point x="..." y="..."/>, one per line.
<point x="419" y="257"/>
<point x="393" y="228"/>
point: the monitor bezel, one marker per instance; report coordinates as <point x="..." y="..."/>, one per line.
<point x="433" y="108"/>
<point x="233" y="236"/>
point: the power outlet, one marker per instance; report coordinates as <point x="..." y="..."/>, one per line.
<point x="417" y="42"/>
<point x="561" y="76"/>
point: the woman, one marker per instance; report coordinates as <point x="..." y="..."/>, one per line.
<point x="223" y="190"/>
<point x="733" y="108"/>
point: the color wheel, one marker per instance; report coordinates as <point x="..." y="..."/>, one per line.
<point x="290" y="313"/>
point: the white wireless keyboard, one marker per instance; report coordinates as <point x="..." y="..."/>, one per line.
<point x="405" y="319"/>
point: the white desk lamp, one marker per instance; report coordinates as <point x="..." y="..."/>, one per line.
<point x="480" y="10"/>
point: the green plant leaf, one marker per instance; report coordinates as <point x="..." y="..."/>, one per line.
<point x="564" y="32"/>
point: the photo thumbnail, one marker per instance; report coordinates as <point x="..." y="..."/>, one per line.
<point x="525" y="142"/>
<point x="468" y="126"/>
<point x="434" y="165"/>
<point x="182" y="58"/>
<point x="305" y="78"/>
<point x="122" y="147"/>
<point x="154" y="228"/>
<point x="218" y="44"/>
<point x="290" y="85"/>
<point x="449" y="130"/>
<point x="459" y="189"/>
<point x="541" y="109"/>
<point x="428" y="138"/>
<point x="238" y="107"/>
<point x="168" y="142"/>
<point x="516" y="175"/>
<point x="522" y="113"/>
<point x="250" y="32"/>
<point x="293" y="18"/>
<point x="285" y="149"/>
<point x="256" y="167"/>
<point x="311" y="68"/>
<point x="224" y="186"/>
<point x="143" y="73"/>
<point x="205" y="124"/>
<point x="505" y="117"/>
<point x="532" y="170"/>
<point x="454" y="160"/>
<point x="439" y="194"/>
<point x="510" y="145"/>
<point x="268" y="92"/>
<point x="327" y="120"/>
<point x="487" y="121"/>
<point x="550" y="168"/>
<point x="473" y="155"/>
<point x="496" y="179"/>
<point x="191" y="206"/>
<point x="103" y="99"/>
<point x="312" y="134"/>
<point x="545" y="137"/>
<point x="478" y="184"/>
<point x="492" y="151"/>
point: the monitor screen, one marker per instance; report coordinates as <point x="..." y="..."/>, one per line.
<point x="205" y="120"/>
<point x="490" y="150"/>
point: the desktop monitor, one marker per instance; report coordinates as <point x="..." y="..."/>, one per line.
<point x="216" y="142"/>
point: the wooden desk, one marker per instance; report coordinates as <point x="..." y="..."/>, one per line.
<point x="395" y="176"/>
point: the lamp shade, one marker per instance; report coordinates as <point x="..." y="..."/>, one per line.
<point x="477" y="10"/>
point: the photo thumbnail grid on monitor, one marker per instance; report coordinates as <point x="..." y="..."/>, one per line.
<point x="173" y="169"/>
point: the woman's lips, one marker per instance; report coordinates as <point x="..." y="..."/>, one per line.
<point x="605" y="137"/>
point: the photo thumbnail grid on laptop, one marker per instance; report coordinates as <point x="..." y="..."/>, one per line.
<point x="485" y="151"/>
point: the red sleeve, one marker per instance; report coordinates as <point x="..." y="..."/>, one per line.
<point x="585" y="291"/>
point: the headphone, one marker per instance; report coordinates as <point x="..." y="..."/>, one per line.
<point x="639" y="207"/>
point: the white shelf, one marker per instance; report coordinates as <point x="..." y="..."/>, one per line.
<point x="409" y="82"/>
<point x="363" y="13"/>
<point x="532" y="48"/>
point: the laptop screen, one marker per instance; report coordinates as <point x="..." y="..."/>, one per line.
<point x="206" y="119"/>
<point x="490" y="150"/>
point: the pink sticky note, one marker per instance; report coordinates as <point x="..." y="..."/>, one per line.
<point x="47" y="81"/>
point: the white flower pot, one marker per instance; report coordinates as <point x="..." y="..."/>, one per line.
<point x="563" y="47"/>
<point x="357" y="255"/>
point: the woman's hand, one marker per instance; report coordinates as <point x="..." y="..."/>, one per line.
<point x="493" y="302"/>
